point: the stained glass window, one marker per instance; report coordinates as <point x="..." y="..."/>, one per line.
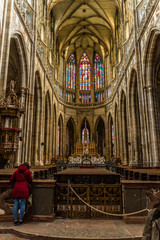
<point x="83" y="132"/>
<point x="85" y="98"/>
<point x="70" y="72"/>
<point x="84" y="73"/>
<point x="98" y="72"/>
<point x="99" y="96"/>
<point x="70" y="97"/>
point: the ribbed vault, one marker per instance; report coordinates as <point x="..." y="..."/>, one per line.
<point x="84" y="25"/>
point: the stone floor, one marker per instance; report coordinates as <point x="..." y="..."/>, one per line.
<point x="62" y="229"/>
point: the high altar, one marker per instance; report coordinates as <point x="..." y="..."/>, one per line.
<point x="85" y="145"/>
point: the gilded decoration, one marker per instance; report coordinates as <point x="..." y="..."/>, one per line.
<point x="11" y="107"/>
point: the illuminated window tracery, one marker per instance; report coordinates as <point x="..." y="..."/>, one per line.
<point x="70" y="72"/>
<point x="98" y="72"/>
<point x="84" y="98"/>
<point x="99" y="96"/>
<point x="70" y="97"/>
<point x="85" y="130"/>
<point x="84" y="73"/>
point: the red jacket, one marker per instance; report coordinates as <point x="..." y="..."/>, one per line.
<point x="21" y="176"/>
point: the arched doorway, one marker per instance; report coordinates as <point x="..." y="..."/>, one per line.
<point x="124" y="131"/>
<point x="100" y="137"/>
<point x="69" y="137"/>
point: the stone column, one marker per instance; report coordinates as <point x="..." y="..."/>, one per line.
<point x="92" y="85"/>
<point x="152" y="133"/>
<point x="77" y="85"/>
<point x="18" y="158"/>
<point x="5" y="44"/>
<point x="64" y="138"/>
<point x="141" y="96"/>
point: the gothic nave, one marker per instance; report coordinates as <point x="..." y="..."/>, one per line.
<point x="82" y="72"/>
<point x="80" y="89"/>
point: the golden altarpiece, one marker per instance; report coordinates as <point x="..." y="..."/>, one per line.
<point x="85" y="145"/>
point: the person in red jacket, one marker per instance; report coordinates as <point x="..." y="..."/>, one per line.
<point x="22" y="179"/>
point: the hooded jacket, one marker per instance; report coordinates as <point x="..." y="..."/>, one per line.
<point x="20" y="177"/>
<point x="152" y="227"/>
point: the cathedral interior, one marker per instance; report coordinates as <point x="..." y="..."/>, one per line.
<point x="80" y="80"/>
<point x="81" y="65"/>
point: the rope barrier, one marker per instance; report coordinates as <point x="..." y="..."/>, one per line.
<point x="107" y="213"/>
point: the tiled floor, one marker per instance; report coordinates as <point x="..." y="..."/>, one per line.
<point x="73" y="229"/>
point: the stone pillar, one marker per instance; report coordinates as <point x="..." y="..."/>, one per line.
<point x="18" y="158"/>
<point x="153" y="137"/>
<point x="64" y="139"/>
<point x="77" y="85"/>
<point x="5" y="44"/>
<point x="141" y="96"/>
<point x="92" y="85"/>
<point x="29" y="105"/>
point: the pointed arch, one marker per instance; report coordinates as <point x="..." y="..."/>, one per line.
<point x="16" y="69"/>
<point x="98" y="72"/>
<point x="85" y="123"/>
<point x="135" y="143"/>
<point x="100" y="136"/>
<point x="149" y="55"/>
<point x="111" y="137"/>
<point x="17" y="64"/>
<point x="70" y="136"/>
<point x="84" y="73"/>
<point x="124" y="129"/>
<point x="71" y="72"/>
<point x="152" y="99"/>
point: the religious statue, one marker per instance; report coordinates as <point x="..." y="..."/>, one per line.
<point x="85" y="133"/>
<point x="86" y="151"/>
<point x="12" y="85"/>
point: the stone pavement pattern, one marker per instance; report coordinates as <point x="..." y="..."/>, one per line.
<point x="73" y="229"/>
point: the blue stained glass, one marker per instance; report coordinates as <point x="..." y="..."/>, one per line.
<point x="99" y="96"/>
<point x="98" y="72"/>
<point x="84" y="73"/>
<point x="85" y="98"/>
<point x="70" y="97"/>
<point x="70" y="72"/>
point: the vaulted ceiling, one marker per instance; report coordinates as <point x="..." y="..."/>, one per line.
<point x="85" y="25"/>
